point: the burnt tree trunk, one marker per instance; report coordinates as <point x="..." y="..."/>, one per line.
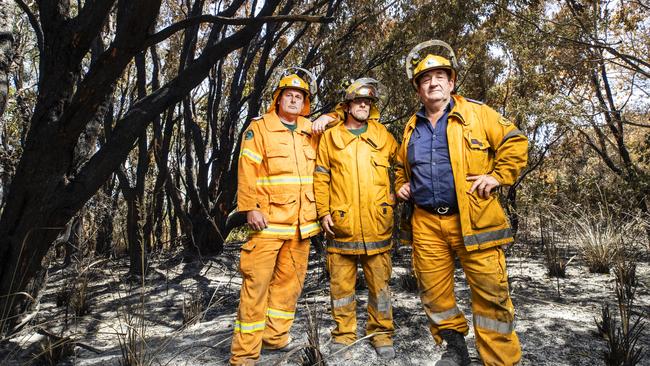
<point x="104" y="237"/>
<point x="43" y="195"/>
<point x="6" y="50"/>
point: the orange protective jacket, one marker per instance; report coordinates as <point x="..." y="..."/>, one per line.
<point x="352" y="185"/>
<point x="275" y="176"/>
<point x="480" y="141"/>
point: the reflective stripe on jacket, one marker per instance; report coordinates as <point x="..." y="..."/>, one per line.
<point x="275" y="176"/>
<point x="352" y="185"/>
<point x="480" y="141"/>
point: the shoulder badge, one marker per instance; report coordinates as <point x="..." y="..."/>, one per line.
<point x="504" y="121"/>
<point x="249" y="135"/>
<point x="474" y="101"/>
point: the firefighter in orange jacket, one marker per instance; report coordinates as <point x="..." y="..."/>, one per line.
<point x="275" y="189"/>
<point x="454" y="153"/>
<point x="355" y="206"/>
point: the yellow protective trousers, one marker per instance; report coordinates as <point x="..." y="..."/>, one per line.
<point x="343" y="276"/>
<point x="273" y="273"/>
<point x="436" y="239"/>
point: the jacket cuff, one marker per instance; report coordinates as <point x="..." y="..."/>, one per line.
<point x="502" y="181"/>
<point x="323" y="214"/>
<point x="247" y="205"/>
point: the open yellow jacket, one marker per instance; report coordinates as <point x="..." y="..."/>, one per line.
<point x="352" y="184"/>
<point x="480" y="141"/>
<point x="275" y="176"/>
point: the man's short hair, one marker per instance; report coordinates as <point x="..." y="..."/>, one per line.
<point x="304" y="95"/>
<point x="447" y="71"/>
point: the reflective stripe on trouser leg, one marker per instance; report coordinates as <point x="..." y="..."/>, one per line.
<point x="377" y="269"/>
<point x="286" y="286"/>
<point x="492" y="307"/>
<point x="256" y="264"/>
<point x="434" y="236"/>
<point x="343" y="277"/>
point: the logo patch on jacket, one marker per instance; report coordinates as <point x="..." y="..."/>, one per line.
<point x="504" y="121"/>
<point x="477" y="142"/>
<point x="249" y="135"/>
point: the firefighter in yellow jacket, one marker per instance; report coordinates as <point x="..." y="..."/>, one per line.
<point x="275" y="189"/>
<point x="454" y="153"/>
<point x="355" y="206"/>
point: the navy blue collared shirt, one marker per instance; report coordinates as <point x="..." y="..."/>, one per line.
<point x="432" y="180"/>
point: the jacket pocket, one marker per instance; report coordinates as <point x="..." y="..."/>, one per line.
<point x="476" y="154"/>
<point x="309" y="210"/>
<point x="247" y="259"/>
<point x="485" y="213"/>
<point x="278" y="159"/>
<point x="282" y="209"/>
<point x="380" y="171"/>
<point x="385" y="219"/>
<point x="310" y="153"/>
<point x="342" y="223"/>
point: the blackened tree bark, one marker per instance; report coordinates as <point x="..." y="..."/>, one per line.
<point x="134" y="193"/>
<point x="44" y="194"/>
<point x="108" y="201"/>
<point x="153" y="227"/>
<point x="6" y="50"/>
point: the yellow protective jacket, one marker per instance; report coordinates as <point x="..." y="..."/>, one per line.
<point x="275" y="176"/>
<point x="352" y="184"/>
<point x="480" y="141"/>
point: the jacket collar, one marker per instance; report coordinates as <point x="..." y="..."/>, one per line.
<point x="459" y="109"/>
<point x="342" y="137"/>
<point x="273" y="123"/>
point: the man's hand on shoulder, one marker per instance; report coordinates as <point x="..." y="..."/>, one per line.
<point x="320" y="124"/>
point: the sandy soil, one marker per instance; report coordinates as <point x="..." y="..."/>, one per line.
<point x="555" y="328"/>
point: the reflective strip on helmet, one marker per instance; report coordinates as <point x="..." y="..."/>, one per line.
<point x="257" y="158"/>
<point x="249" y="327"/>
<point x="359" y="245"/>
<point x="308" y="229"/>
<point x="285" y="180"/>
<point x="513" y="133"/>
<point x="280" y="314"/>
<point x="320" y="169"/>
<point x="494" y="325"/>
<point x="438" y="318"/>
<point x="489" y="236"/>
<point x="342" y="302"/>
<point x="381" y="303"/>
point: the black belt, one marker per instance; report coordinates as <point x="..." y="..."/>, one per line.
<point x="440" y="210"/>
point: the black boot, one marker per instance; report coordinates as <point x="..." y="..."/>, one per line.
<point x="456" y="353"/>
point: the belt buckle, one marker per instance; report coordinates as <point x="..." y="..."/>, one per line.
<point x="442" y="210"/>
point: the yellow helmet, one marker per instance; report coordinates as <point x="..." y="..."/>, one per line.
<point x="293" y="81"/>
<point x="430" y="61"/>
<point x="363" y="88"/>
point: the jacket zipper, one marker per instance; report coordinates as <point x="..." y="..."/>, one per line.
<point x="356" y="152"/>
<point x="295" y="154"/>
